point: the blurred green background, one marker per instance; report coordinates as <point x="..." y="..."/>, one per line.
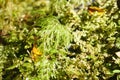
<point x="70" y="43"/>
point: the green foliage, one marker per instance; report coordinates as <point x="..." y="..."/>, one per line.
<point x="74" y="44"/>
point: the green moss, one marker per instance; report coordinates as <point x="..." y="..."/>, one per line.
<point x="74" y="44"/>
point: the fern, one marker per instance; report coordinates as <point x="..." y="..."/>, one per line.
<point x="53" y="34"/>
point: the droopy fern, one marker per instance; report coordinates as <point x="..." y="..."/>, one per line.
<point x="53" y="34"/>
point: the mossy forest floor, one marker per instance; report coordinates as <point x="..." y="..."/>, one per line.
<point x="59" y="40"/>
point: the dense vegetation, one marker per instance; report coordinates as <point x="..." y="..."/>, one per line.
<point x="59" y="40"/>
